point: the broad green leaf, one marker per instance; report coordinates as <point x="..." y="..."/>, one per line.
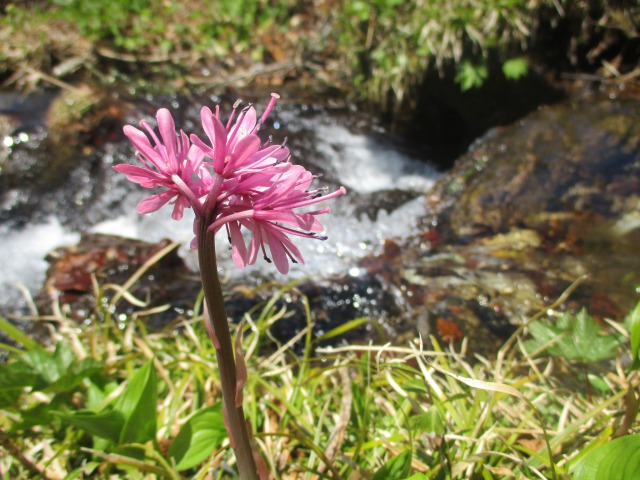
<point x="43" y="366"/>
<point x="198" y="437"/>
<point x="430" y="422"/>
<point x="633" y="325"/>
<point x="618" y="459"/>
<point x="38" y="414"/>
<point x="58" y="372"/>
<point x="82" y="472"/>
<point x="515" y="68"/>
<point x="73" y="376"/>
<point x="106" y="425"/>
<point x="138" y="404"/>
<point x="13" y="379"/>
<point x="417" y="476"/>
<point x="50" y="367"/>
<point x="63" y="357"/>
<point x="396" y="468"/>
<point x="575" y="338"/>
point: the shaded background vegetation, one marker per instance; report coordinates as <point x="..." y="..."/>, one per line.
<point x="379" y="50"/>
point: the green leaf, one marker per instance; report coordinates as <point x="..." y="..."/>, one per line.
<point x="417" y="476"/>
<point x="430" y="422"/>
<point x="137" y="404"/>
<point x="515" y="68"/>
<point x="575" y="338"/>
<point x="58" y="372"/>
<point x="74" y="376"/>
<point x="471" y="76"/>
<point x="106" y="425"/>
<point x="43" y="366"/>
<point x="396" y="468"/>
<point x="633" y="325"/>
<point x="13" y="379"/>
<point x="17" y="335"/>
<point x="617" y="460"/>
<point x="198" y="437"/>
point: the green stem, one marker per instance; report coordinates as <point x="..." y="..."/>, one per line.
<point x="237" y="424"/>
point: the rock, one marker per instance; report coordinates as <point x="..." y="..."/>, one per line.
<point x="103" y="263"/>
<point x="527" y="211"/>
<point x="572" y="158"/>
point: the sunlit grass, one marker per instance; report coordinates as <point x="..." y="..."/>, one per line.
<point x="348" y="411"/>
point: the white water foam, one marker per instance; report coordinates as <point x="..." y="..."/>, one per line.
<point x="361" y="163"/>
<point x="23" y="258"/>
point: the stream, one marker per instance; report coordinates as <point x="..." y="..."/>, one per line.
<point x="385" y="179"/>
<point x="469" y="253"/>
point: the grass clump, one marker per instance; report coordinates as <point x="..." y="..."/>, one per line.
<point x="112" y="399"/>
<point x="379" y="50"/>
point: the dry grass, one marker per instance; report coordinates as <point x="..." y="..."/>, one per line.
<point x="342" y="412"/>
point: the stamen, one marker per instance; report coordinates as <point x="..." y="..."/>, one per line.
<point x="272" y="102"/>
<point x="267" y="143"/>
<point x="233" y="114"/>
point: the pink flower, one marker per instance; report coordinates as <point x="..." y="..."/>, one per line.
<point x="173" y="164"/>
<point x="269" y="214"/>
<point x="249" y="187"/>
<point x="236" y="149"/>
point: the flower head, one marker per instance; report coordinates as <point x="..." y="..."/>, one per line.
<point x="250" y="188"/>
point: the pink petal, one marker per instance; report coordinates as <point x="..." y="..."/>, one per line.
<point x="218" y="137"/>
<point x="168" y="133"/>
<point x="178" y="208"/>
<point x="246" y="147"/>
<point x="245" y="125"/>
<point x="266" y="157"/>
<point x="154" y="202"/>
<point x="238" y="247"/>
<point x="143" y="176"/>
<point x="142" y="145"/>
<point x="256" y="245"/>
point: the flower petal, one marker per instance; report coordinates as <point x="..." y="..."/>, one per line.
<point x="154" y="202"/>
<point x="143" y="176"/>
<point x="238" y="248"/>
<point x="168" y="133"/>
<point x="218" y="137"/>
<point x="141" y="143"/>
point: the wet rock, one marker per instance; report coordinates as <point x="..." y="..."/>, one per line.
<point x="569" y="158"/>
<point x="102" y="264"/>
<point x="528" y="210"/>
<point x="53" y="158"/>
<point x="331" y="303"/>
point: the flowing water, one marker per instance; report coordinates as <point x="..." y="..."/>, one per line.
<point x="384" y="178"/>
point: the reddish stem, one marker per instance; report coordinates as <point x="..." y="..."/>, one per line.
<point x="237" y="425"/>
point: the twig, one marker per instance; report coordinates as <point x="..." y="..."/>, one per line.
<point x="15" y="452"/>
<point x="248" y="75"/>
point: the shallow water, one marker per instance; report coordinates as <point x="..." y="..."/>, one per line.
<point x="385" y="182"/>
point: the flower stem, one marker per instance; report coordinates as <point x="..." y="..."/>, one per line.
<point x="236" y="423"/>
